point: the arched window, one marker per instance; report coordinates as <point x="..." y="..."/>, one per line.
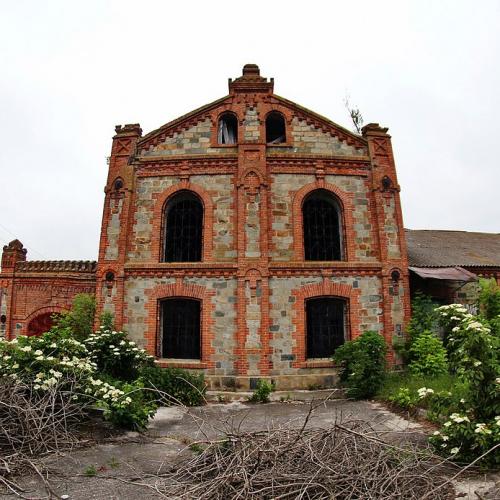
<point x="321" y="216"/>
<point x="275" y="128"/>
<point x="180" y="320"/>
<point x="41" y="324"/>
<point x="184" y="228"/>
<point x="227" y="131"/>
<point x="325" y="318"/>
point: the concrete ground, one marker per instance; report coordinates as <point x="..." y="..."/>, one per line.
<point x="126" y="467"/>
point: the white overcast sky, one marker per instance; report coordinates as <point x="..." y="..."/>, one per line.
<point x="71" y="70"/>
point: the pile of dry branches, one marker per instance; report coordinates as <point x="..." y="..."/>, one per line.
<point x="33" y="423"/>
<point x="346" y="461"/>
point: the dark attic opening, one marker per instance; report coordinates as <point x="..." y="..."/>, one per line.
<point x="228" y="129"/>
<point x="275" y="128"/>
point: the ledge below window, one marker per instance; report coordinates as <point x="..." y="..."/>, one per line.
<point x="188" y="364"/>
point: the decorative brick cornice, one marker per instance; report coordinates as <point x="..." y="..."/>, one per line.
<point x="200" y="164"/>
<point x="73" y="266"/>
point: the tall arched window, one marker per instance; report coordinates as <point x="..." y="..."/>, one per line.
<point x="275" y="128"/>
<point x="325" y="318"/>
<point x="184" y="228"/>
<point x="227" y="131"/>
<point x="321" y="216"/>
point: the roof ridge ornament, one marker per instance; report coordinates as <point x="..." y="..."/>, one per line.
<point x="250" y="81"/>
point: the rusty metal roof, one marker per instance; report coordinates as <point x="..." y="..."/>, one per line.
<point x="438" y="248"/>
<point x="456" y="273"/>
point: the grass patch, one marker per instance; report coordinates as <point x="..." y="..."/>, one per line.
<point x="450" y="386"/>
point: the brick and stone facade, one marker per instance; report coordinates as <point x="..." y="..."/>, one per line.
<point x="252" y="280"/>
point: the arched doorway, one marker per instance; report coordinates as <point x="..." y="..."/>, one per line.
<point x="40" y="324"/>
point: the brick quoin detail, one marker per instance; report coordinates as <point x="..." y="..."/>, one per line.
<point x="153" y="328"/>
<point x="158" y="229"/>
<point x="347" y="221"/>
<point x="324" y="289"/>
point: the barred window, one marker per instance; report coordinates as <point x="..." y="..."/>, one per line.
<point x="180" y="321"/>
<point x="325" y="318"/>
<point x="184" y="228"/>
<point x="321" y="216"/>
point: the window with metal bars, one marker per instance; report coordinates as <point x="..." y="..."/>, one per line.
<point x="321" y="217"/>
<point x="180" y="321"/>
<point x="325" y="319"/>
<point x="184" y="228"/>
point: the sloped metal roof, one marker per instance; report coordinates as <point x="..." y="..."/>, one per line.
<point x="438" y="248"/>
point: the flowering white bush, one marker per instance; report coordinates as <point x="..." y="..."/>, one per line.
<point x="474" y="350"/>
<point x="55" y="358"/>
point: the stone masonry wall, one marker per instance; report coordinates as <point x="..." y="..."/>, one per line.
<point x="223" y="328"/>
<point x="282" y="315"/>
<point x="219" y="187"/>
<point x="284" y="187"/>
<point x="251" y="125"/>
<point x="114" y="229"/>
<point x="193" y="141"/>
<point x="308" y="139"/>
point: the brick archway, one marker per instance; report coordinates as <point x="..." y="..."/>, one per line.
<point x="159" y="216"/>
<point x="326" y="288"/>
<point x="347" y="221"/>
<point x="188" y="291"/>
<point x="40" y="321"/>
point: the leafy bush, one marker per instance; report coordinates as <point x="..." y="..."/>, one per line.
<point x="489" y="298"/>
<point x="474" y="355"/>
<point x="423" y="318"/>
<point x="57" y="359"/>
<point x="174" y="386"/>
<point x="262" y="392"/>
<point x="404" y="398"/>
<point x="362" y="364"/>
<point x="137" y="407"/>
<point x="115" y="355"/>
<point x="464" y="440"/>
<point x="428" y="355"/>
<point x="80" y="320"/>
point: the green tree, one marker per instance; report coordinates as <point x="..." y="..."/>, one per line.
<point x="80" y="319"/>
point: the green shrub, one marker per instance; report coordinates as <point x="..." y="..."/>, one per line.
<point x="115" y="355"/>
<point x="80" y="319"/>
<point x="423" y="318"/>
<point x="404" y="398"/>
<point x="262" y="392"/>
<point x="428" y="355"/>
<point x="136" y="408"/>
<point x="57" y="361"/>
<point x="489" y="298"/>
<point x="362" y="364"/>
<point x="174" y="386"/>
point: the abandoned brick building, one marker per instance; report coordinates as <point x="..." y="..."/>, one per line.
<point x="248" y="238"/>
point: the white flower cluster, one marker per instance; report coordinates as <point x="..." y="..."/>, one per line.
<point x="123" y="347"/>
<point x="79" y="363"/>
<point x="107" y="392"/>
<point x="424" y="392"/>
<point x="457" y="418"/>
<point x="45" y="381"/>
<point x="482" y="429"/>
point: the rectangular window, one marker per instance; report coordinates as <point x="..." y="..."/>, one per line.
<point x="180" y="320"/>
<point x="325" y="319"/>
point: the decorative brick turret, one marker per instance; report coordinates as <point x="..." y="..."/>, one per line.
<point x="12" y="253"/>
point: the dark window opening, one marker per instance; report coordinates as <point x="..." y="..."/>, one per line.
<point x="227" y="132"/>
<point x="184" y="228"/>
<point x="275" y="128"/>
<point x="180" y="329"/>
<point x="321" y="223"/>
<point x="3" y="319"/>
<point x="118" y="184"/>
<point x="325" y="326"/>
